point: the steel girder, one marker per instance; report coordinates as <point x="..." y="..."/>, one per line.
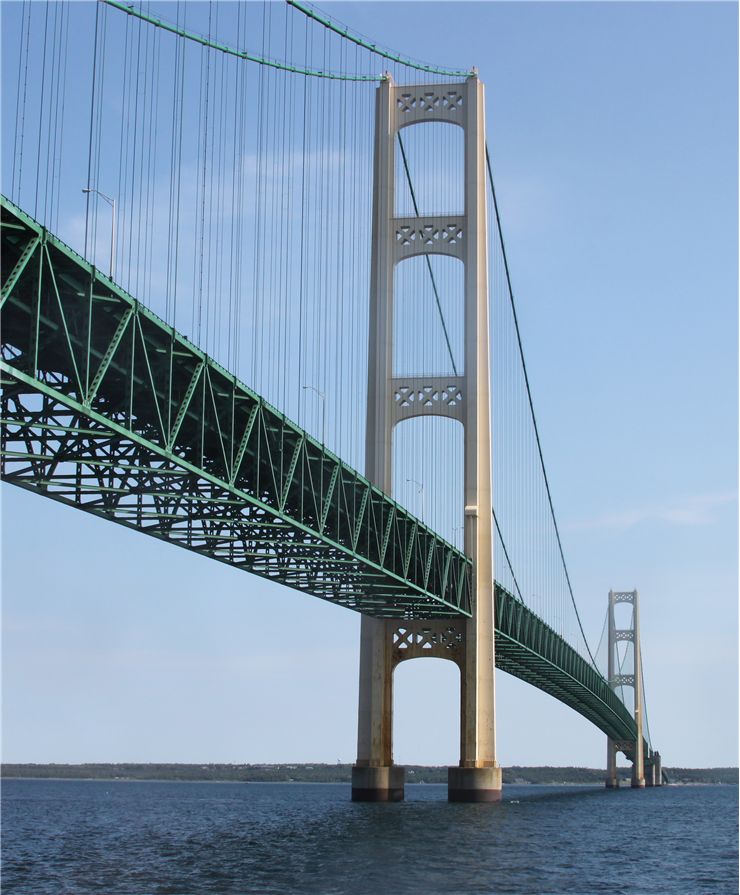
<point x="531" y="650"/>
<point x="109" y="409"/>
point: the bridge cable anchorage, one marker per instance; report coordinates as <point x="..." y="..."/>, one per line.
<point x="358" y="39"/>
<point x="531" y="404"/>
<point x="231" y="51"/>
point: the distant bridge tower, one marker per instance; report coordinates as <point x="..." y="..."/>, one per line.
<point x="653" y="769"/>
<point x="469" y="643"/>
<point x="617" y="679"/>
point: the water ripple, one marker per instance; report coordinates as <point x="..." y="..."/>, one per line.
<point x="120" y="838"/>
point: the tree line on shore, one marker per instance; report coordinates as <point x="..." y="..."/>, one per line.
<point x="333" y="773"/>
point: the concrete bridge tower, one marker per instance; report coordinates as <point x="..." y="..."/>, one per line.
<point x="634" y="680"/>
<point x="466" y="398"/>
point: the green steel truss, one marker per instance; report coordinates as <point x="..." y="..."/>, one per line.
<point x="531" y="650"/>
<point x="108" y="409"/>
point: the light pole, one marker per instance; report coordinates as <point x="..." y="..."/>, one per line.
<point x="421" y="491"/>
<point x="112" y="203"/>
<point x="323" y="410"/>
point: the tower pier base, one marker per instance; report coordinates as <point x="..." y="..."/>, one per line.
<point x="469" y="642"/>
<point x="649" y="770"/>
<point x="379" y="784"/>
<point x="657" y="769"/>
<point x="612" y="777"/>
<point x="474" y="784"/>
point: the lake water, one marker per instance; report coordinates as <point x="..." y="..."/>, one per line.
<point x="76" y="837"/>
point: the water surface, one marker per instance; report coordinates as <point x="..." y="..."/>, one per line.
<point x="71" y="837"/>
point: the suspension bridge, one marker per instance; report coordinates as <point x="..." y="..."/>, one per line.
<point x="190" y="233"/>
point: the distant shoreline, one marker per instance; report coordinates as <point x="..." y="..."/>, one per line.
<point x="327" y="773"/>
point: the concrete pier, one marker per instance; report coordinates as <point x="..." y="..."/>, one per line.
<point x="649" y="771"/>
<point x="612" y="779"/>
<point x="658" y="769"/>
<point x="474" y="784"/>
<point x="385" y="784"/>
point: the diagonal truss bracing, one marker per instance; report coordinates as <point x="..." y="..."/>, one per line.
<point x="108" y="409"/>
<point x="529" y="649"/>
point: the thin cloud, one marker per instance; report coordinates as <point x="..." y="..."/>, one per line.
<point x="691" y="511"/>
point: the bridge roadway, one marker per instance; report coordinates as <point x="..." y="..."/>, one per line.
<point x="108" y="409"/>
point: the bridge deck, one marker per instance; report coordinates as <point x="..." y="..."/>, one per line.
<point x="529" y="649"/>
<point x="107" y="408"/>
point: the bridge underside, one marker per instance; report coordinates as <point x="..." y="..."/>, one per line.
<point x="106" y="408"/>
<point x="529" y="649"/>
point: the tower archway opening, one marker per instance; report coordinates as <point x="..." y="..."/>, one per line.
<point x="426" y="713"/>
<point x="433" y="160"/>
<point x="429" y="316"/>
<point x="428" y="473"/>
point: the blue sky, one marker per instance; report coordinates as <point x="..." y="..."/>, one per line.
<point x="613" y="131"/>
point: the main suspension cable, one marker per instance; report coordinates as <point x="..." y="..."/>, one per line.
<point x="506" y="554"/>
<point x="429" y="263"/>
<point x="449" y="347"/>
<point x="231" y="51"/>
<point x="374" y="48"/>
<point x="531" y="405"/>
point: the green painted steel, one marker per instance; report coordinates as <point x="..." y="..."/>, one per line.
<point x="531" y="650"/>
<point x="374" y="48"/>
<point x="131" y="10"/>
<point x="108" y="409"/>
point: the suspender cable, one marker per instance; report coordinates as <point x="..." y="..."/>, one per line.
<point x="378" y="51"/>
<point x="18" y="129"/>
<point x="90" y="141"/>
<point x="426" y="257"/>
<point x="449" y="347"/>
<point x="644" y="704"/>
<point x="529" y="398"/>
<point x="42" y="96"/>
<point x="506" y="554"/>
<point x="242" y="54"/>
